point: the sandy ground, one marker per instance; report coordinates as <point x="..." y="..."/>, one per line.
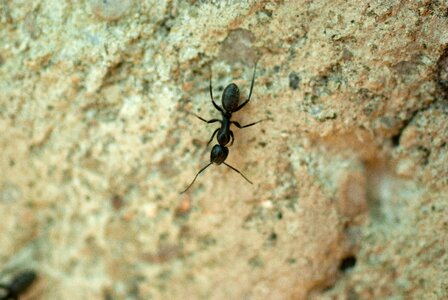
<point x="350" y="168"/>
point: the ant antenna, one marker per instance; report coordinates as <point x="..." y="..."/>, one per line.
<point x="238" y="172"/>
<point x="196" y="177"/>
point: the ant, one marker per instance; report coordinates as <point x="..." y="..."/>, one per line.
<point x="230" y="100"/>
<point x="18" y="286"/>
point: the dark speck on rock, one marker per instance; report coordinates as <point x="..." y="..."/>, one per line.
<point x="347" y="263"/>
<point x="294" y="80"/>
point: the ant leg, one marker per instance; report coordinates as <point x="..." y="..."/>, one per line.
<point x="238" y="172"/>
<point x="232" y="138"/>
<point x="213" y="135"/>
<point x="211" y="95"/>
<point x="250" y="93"/>
<point x="248" y="125"/>
<point x="195" y="178"/>
<point x="209" y="121"/>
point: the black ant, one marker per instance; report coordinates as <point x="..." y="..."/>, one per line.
<point x="18" y="285"/>
<point x="230" y="100"/>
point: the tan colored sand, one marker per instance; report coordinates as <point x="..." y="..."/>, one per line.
<point x="96" y="143"/>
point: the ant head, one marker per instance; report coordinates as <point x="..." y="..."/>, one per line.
<point x="230" y="97"/>
<point x="219" y="154"/>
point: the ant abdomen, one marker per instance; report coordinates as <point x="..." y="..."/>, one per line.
<point x="231" y="97"/>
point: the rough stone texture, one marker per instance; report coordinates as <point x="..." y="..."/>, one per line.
<point x="350" y="168"/>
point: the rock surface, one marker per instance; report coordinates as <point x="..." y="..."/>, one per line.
<point x="350" y="167"/>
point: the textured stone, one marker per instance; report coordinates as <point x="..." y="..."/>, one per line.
<point x="350" y="167"/>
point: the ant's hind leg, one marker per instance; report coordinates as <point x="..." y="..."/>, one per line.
<point x="213" y="135"/>
<point x="204" y="120"/>
<point x="232" y="138"/>
<point x="248" y="125"/>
